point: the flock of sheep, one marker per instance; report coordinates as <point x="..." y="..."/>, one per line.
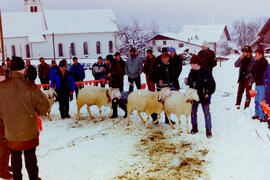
<point x="171" y="102"/>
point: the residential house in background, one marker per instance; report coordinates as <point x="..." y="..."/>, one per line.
<point x="263" y="38"/>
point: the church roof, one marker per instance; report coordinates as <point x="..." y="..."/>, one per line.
<point x="36" y="25"/>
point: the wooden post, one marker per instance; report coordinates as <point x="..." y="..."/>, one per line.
<point x="2" y="38"/>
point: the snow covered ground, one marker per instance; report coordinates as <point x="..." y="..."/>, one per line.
<point x="108" y="149"/>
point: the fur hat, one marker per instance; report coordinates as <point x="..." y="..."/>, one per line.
<point x="205" y="43"/>
<point x="17" y="64"/>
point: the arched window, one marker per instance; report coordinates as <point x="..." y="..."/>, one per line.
<point x="27" y="48"/>
<point x="72" y="49"/>
<point x="35" y="9"/>
<point x="85" y="48"/>
<point x="31" y="9"/>
<point x="98" y="48"/>
<point x="110" y="47"/>
<point x="13" y="50"/>
<point x="60" y="50"/>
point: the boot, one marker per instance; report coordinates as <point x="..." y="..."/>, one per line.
<point x="124" y="107"/>
<point x="194" y="130"/>
<point x="208" y="133"/>
<point x="115" y="102"/>
<point x="255" y="117"/>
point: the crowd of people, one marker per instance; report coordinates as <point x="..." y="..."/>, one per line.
<point x="18" y="126"/>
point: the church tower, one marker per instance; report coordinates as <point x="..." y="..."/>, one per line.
<point x="33" y="6"/>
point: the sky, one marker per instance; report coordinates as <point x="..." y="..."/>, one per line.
<point x="170" y="15"/>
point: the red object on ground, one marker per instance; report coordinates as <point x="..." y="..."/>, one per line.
<point x="143" y="86"/>
<point x="39" y="123"/>
<point x="252" y="93"/>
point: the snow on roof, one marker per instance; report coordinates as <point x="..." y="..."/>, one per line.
<point x="80" y="21"/>
<point x="198" y="33"/>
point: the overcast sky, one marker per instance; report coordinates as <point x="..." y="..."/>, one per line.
<point x="169" y="14"/>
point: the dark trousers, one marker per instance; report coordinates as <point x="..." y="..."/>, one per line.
<point x="176" y="85"/>
<point x="244" y="84"/>
<point x="137" y="82"/>
<point x="30" y="164"/>
<point x="207" y="115"/>
<point x="63" y="104"/>
<point x="122" y="104"/>
<point x="150" y="84"/>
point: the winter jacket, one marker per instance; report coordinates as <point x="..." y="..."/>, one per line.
<point x="177" y="63"/>
<point x="99" y="71"/>
<point x="134" y="67"/>
<point x="31" y="73"/>
<point x="20" y="100"/>
<point x="258" y="70"/>
<point x="43" y="72"/>
<point x="208" y="59"/>
<point x="117" y="73"/>
<point x="77" y="72"/>
<point x="204" y="82"/>
<point x="63" y="84"/>
<point x="149" y="66"/>
<point x="53" y="71"/>
<point x="245" y="67"/>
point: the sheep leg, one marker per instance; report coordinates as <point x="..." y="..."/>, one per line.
<point x="179" y="124"/>
<point x="89" y="111"/>
<point x="49" y="114"/>
<point x="140" y="116"/>
<point x="100" y="113"/>
<point x="78" y="112"/>
<point x="187" y="124"/>
<point x="129" y="112"/>
<point x="169" y="118"/>
<point x="110" y="111"/>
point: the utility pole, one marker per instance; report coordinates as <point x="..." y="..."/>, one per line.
<point x="2" y="38"/>
<point x="53" y="46"/>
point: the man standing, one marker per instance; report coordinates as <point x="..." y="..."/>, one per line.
<point x="78" y="74"/>
<point x="148" y="69"/>
<point x="99" y="70"/>
<point x="257" y="72"/>
<point x="244" y="63"/>
<point x="64" y="86"/>
<point x="208" y="57"/>
<point x="43" y="72"/>
<point x="54" y="68"/>
<point x="177" y="63"/>
<point x="205" y="84"/>
<point x="19" y="117"/>
<point x="117" y="72"/>
<point x="134" y="68"/>
<point x="31" y="71"/>
<point x="4" y="151"/>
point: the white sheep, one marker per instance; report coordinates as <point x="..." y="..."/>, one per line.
<point x="180" y="104"/>
<point x="93" y="95"/>
<point x="50" y="94"/>
<point x="146" y="101"/>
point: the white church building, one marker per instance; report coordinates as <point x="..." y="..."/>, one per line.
<point x="59" y="34"/>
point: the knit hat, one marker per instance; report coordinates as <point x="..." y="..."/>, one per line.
<point x="205" y="43"/>
<point x="63" y="63"/>
<point x="27" y="60"/>
<point x="195" y="60"/>
<point x="17" y="64"/>
<point x="172" y="49"/>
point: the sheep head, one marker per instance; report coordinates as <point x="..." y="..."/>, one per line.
<point x="191" y="95"/>
<point x="113" y="93"/>
<point x="163" y="93"/>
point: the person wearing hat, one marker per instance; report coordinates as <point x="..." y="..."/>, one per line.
<point x="207" y="57"/>
<point x="117" y="71"/>
<point x="64" y="87"/>
<point x="44" y="72"/>
<point x="257" y="72"/>
<point x="203" y="81"/>
<point x="4" y="151"/>
<point x="148" y="69"/>
<point x="78" y="74"/>
<point x="177" y="63"/>
<point x="31" y="71"/>
<point x="133" y="69"/>
<point x="54" y="68"/>
<point x="18" y="112"/>
<point x="99" y="71"/>
<point x="244" y="63"/>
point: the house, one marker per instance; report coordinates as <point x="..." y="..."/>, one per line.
<point x="59" y="34"/>
<point x="263" y="38"/>
<point x="166" y="40"/>
<point x="217" y="35"/>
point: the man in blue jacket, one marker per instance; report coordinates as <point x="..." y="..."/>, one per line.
<point x="54" y="68"/>
<point x="78" y="74"/>
<point x="64" y="86"/>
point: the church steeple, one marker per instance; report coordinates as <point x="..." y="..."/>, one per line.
<point x="33" y="6"/>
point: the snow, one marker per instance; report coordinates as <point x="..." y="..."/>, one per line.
<point x="108" y="149"/>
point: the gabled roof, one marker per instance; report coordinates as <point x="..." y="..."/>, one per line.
<point x="265" y="28"/>
<point x="199" y="33"/>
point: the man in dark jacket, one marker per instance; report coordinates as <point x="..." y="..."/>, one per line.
<point x="99" y="71"/>
<point x="133" y="69"/>
<point x="148" y="69"/>
<point x="31" y="71"/>
<point x="205" y="84"/>
<point x="208" y="57"/>
<point x="64" y="86"/>
<point x="117" y="72"/>
<point x="244" y="63"/>
<point x="257" y="72"/>
<point x="18" y="112"/>
<point x="44" y="72"/>
<point x="176" y="62"/>
<point x="78" y="74"/>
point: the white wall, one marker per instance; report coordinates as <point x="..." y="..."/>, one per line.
<point x="19" y="43"/>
